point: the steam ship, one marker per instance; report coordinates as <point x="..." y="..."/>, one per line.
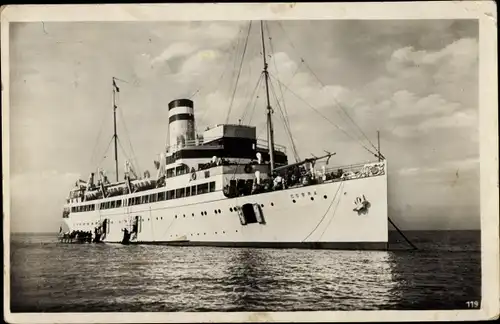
<point x="225" y="187"/>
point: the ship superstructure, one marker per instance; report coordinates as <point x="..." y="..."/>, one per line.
<point x="225" y="187"/>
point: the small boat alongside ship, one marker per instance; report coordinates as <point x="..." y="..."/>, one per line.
<point x="225" y="187"/>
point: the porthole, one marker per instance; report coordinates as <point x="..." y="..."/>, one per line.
<point x="312" y="198"/>
<point x="193" y="214"/>
<point x="345" y="193"/>
<point x="219" y="211"/>
<point x="223" y="232"/>
<point x="303" y="194"/>
<point x="262" y="205"/>
<point x="297" y="195"/>
<point x="293" y="201"/>
<point x="215" y="211"/>
<point x="184" y="215"/>
<point x="309" y="193"/>
<point x="215" y="232"/>
<point x="205" y="213"/>
<point x="201" y="213"/>
<point x="236" y="231"/>
<point x="204" y="233"/>
<point x="272" y="204"/>
<point x="315" y="193"/>
<point x="198" y="234"/>
<point x="325" y="196"/>
<point x="161" y="217"/>
<point x="156" y="218"/>
<point x="175" y="216"/>
<point x="231" y="209"/>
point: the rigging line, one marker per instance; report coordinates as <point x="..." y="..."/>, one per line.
<point x="253" y="109"/>
<point x="129" y="159"/>
<point x="106" y="150"/>
<point x="342" y="108"/>
<point x="277" y="71"/>
<point x="127" y="133"/>
<point x="324" y="117"/>
<point x="317" y="78"/>
<point x="203" y="86"/>
<point x="251" y="97"/>
<point x="97" y="140"/>
<point x="287" y="127"/>
<point x="333" y="216"/>
<point x="219" y="81"/>
<point x="326" y="213"/>
<point x="239" y="71"/>
<point x="233" y="53"/>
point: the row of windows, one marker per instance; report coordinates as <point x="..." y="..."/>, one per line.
<point x="159" y="196"/>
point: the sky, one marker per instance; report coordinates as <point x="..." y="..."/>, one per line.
<point x="337" y="82"/>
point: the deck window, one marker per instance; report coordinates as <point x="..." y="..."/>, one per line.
<point x="170" y="173"/>
<point x="170" y="194"/>
<point x="188" y="191"/>
<point x="137" y="201"/>
<point x="212" y="186"/>
<point x="152" y="197"/>
<point x="193" y="190"/>
<point x="161" y="196"/>
<point x="118" y="203"/>
<point x="113" y="204"/>
<point x="179" y="193"/>
<point x="202" y="188"/>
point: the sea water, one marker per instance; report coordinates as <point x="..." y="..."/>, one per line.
<point x="47" y="276"/>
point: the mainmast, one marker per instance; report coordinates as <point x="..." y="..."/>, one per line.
<point x="270" y="132"/>
<point x="115" y="136"/>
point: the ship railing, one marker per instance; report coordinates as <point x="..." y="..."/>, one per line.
<point x="192" y="143"/>
<point x="353" y="171"/>
<point x="261" y="143"/>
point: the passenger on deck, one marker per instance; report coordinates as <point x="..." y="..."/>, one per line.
<point x="278" y="183"/>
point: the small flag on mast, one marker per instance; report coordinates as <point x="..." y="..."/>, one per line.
<point x="115" y="86"/>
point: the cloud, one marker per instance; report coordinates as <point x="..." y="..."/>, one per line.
<point x="175" y="50"/>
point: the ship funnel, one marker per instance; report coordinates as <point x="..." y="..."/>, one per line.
<point x="181" y="127"/>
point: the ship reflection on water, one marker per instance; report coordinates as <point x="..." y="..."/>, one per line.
<point x="51" y="277"/>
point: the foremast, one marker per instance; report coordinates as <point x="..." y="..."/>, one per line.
<point x="115" y="135"/>
<point x="270" y="131"/>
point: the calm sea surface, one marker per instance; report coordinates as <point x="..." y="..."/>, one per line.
<point x="47" y="276"/>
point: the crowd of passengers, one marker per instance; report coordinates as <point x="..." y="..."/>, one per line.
<point x="289" y="178"/>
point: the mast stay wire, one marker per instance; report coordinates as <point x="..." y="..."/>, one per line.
<point x="226" y="66"/>
<point x="287" y="127"/>
<point x="94" y="151"/>
<point x="314" y="74"/>
<point x="283" y="111"/>
<point x="277" y="71"/>
<point x="324" y="117"/>
<point x="122" y="120"/>
<point x="245" y="110"/>
<point x="239" y="72"/>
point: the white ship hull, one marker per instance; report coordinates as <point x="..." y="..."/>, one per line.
<point x="315" y="216"/>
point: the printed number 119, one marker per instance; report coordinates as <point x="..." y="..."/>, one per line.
<point x="472" y="304"/>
